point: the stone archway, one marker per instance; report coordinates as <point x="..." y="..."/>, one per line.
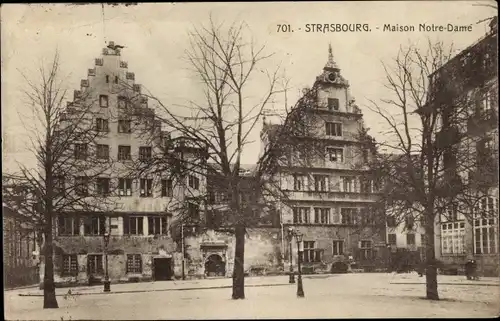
<point x="215" y="265"/>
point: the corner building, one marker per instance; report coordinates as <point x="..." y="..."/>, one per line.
<point x="140" y="244"/>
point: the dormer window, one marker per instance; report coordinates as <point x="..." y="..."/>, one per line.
<point x="333" y="104"/>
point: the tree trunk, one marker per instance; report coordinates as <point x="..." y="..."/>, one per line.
<point x="430" y="259"/>
<point x="239" y="259"/>
<point x="49" y="288"/>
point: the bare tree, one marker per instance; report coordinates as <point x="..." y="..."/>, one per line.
<point x="210" y="137"/>
<point x="425" y="173"/>
<point x="64" y="141"/>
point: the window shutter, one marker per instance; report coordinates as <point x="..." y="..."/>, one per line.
<point x="327" y="183"/>
<point x="341" y="184"/>
<point x="359" y="244"/>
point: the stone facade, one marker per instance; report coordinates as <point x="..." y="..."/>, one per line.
<point x="327" y="192"/>
<point x="262" y="252"/>
<point x="472" y="236"/>
<point x="20" y="250"/>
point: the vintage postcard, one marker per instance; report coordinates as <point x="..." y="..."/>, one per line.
<point x="258" y="160"/>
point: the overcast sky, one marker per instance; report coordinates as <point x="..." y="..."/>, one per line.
<point x="155" y="36"/>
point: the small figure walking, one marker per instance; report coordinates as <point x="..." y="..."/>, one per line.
<point x="471" y="270"/>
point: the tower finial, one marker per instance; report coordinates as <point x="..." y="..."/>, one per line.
<point x="331" y="63"/>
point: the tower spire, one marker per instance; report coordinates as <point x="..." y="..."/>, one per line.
<point x="330" y="64"/>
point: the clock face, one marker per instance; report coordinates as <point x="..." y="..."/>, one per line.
<point x="332" y="77"/>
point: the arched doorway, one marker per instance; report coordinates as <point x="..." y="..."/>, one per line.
<point x="215" y="266"/>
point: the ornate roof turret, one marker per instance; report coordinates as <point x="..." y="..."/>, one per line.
<point x="331" y="72"/>
<point x="331" y="64"/>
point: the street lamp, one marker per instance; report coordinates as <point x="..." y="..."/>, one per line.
<point x="300" y="247"/>
<point x="107" y="283"/>
<point x="290" y="238"/>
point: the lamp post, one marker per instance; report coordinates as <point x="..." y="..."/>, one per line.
<point x="107" y="283"/>
<point x="290" y="238"/>
<point x="300" y="247"/>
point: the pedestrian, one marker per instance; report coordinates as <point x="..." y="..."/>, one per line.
<point x="474" y="270"/>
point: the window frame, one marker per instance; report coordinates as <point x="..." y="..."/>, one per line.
<point x="334" y="129"/>
<point x="93" y="266"/>
<point x="69" y="265"/>
<point x="99" y="191"/>
<point x="146" y="187"/>
<point x="333" y="107"/>
<point x="125" y="186"/>
<point x="128" y="226"/>
<point x="74" y="226"/>
<point x="338" y="247"/>
<point x="103" y="101"/>
<point x="329" y="150"/>
<point x="167" y="188"/>
<point x="134" y="264"/>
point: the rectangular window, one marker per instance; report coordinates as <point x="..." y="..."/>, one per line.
<point x="124" y="152"/>
<point x="335" y="154"/>
<point x="321" y="215"/>
<point x="59" y="186"/>
<point x="391" y="239"/>
<point x="311" y="254"/>
<point x="391" y="221"/>
<point x="348" y="215"/>
<point x="125" y="187"/>
<point x="146" y="186"/>
<point x="334" y="129"/>
<point x="116" y="79"/>
<point x="102" y="186"/>
<point x="124" y="126"/>
<point x="410" y="239"/>
<point x="298" y="182"/>
<point x="102" y="151"/>
<point x="486" y="227"/>
<point x="70" y="265"/>
<point x="68" y="225"/>
<point x="145" y="153"/>
<point x="101" y="125"/>
<point x="133" y="225"/>
<point x="157" y="225"/>
<point x="366" y="185"/>
<point x="94" y="264"/>
<point x="338" y="247"/>
<point x="333" y="103"/>
<point x="194" y="182"/>
<point x="320" y="183"/>
<point x="453" y="238"/>
<point x="81" y="151"/>
<point x="193" y="211"/>
<point x="301" y="215"/>
<point x="347" y="184"/>
<point x="94" y="225"/>
<point x="365" y="250"/>
<point x="107" y="78"/>
<point x="103" y="101"/>
<point x="82" y="186"/>
<point x="166" y="188"/>
<point x="134" y="263"/>
<point x="122" y="102"/>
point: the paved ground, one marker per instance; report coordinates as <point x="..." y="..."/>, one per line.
<point x="328" y="296"/>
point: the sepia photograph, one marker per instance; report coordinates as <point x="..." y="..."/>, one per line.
<point x="250" y="160"/>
